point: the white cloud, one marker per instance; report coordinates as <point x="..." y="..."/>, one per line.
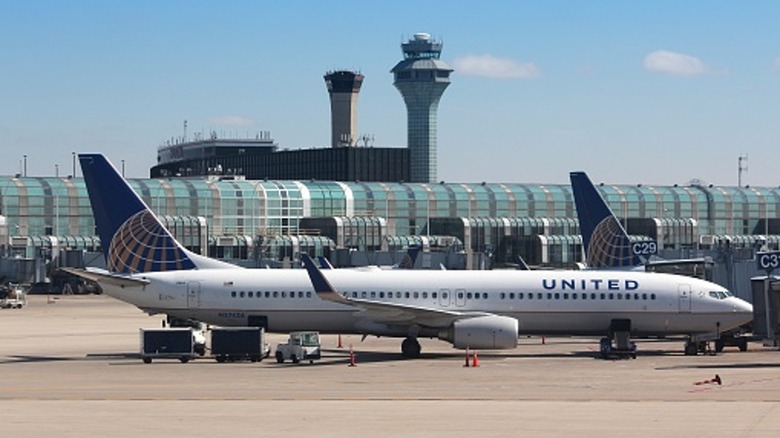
<point x="678" y="64"/>
<point x="231" y="121"/>
<point x="491" y="67"/>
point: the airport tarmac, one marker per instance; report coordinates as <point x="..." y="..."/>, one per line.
<point x="69" y="366"/>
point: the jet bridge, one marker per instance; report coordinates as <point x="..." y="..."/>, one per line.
<point x="766" y="309"/>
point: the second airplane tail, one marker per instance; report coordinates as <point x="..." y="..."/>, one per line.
<point x="604" y="239"/>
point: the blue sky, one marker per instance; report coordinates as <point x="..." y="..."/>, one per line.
<point x="652" y="92"/>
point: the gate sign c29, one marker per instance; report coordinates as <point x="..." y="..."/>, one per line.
<point x="768" y="260"/>
<point x="644" y="247"/>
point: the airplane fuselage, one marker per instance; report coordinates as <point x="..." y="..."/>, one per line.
<point x="543" y="302"/>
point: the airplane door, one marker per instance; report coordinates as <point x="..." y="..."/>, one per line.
<point x="460" y="297"/>
<point x="193" y="295"/>
<point x="444" y="297"/>
<point x="684" y="293"/>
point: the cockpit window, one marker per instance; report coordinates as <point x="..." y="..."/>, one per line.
<point x="721" y="294"/>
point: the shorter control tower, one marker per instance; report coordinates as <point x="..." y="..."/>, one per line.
<point x="421" y="78"/>
<point x="343" y="87"/>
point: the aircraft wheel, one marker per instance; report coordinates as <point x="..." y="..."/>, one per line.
<point x="743" y="345"/>
<point x="410" y="348"/>
<point x="279" y="357"/>
<point x="691" y="349"/>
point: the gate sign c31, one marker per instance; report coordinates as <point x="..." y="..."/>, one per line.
<point x="644" y="247"/>
<point x="768" y="260"/>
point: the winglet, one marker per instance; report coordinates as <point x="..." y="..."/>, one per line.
<point x="324" y="262"/>
<point x="604" y="239"/>
<point x="321" y="285"/>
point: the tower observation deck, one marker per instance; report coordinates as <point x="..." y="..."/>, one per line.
<point x="421" y="78"/>
<point x="343" y="87"/>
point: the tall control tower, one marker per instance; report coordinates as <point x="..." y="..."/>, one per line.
<point x="343" y="87"/>
<point x="421" y="78"/>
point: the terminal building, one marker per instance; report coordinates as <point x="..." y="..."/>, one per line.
<point x="48" y="221"/>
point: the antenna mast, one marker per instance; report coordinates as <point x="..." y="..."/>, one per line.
<point x="742" y="166"/>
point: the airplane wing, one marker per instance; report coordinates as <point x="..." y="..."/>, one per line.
<point x="381" y="311"/>
<point x="105" y="277"/>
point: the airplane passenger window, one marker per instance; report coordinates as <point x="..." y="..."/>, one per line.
<point x="362" y="294"/>
<point x="406" y="295"/>
<point x="636" y="296"/>
<point x="267" y="294"/>
<point x="611" y="296"/>
<point x="381" y="294"/>
<point x="416" y="295"/>
<point x="602" y="296"/>
<point x="557" y="296"/>
<point x="276" y="294"/>
<point x="502" y="296"/>
<point x="644" y="296"/>
<point x="573" y="296"/>
<point x="652" y="296"/>
<point x="241" y="294"/>
<point x="549" y="296"/>
<point x="565" y="296"/>
<point x="485" y="296"/>
<point x="373" y="294"/>
<point x="539" y="296"/>
<point x="468" y="296"/>
<point x="284" y="294"/>
<point x="354" y="294"/>
<point x="425" y="295"/>
<point x="593" y="296"/>
<point x="434" y="295"/>
<point x="233" y="294"/>
<point x="250" y="294"/>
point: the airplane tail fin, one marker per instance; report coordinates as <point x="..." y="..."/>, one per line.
<point x="132" y="237"/>
<point x="604" y="239"/>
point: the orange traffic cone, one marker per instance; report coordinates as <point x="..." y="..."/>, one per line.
<point x="716" y="379"/>
<point x="351" y="357"/>
<point x="466" y="365"/>
<point x="475" y="361"/>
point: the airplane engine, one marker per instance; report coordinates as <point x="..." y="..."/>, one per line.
<point x="490" y="332"/>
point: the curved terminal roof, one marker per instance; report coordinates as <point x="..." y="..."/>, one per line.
<point x="60" y="206"/>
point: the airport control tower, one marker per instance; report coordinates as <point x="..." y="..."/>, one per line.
<point x="343" y="87"/>
<point x="421" y="78"/>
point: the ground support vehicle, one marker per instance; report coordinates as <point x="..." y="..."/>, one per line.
<point x="198" y="332"/>
<point x="300" y="346"/>
<point x="167" y="343"/>
<point x="229" y="344"/>
<point x="12" y="296"/>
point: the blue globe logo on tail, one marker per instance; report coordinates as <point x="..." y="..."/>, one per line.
<point x="142" y="244"/>
<point x="609" y="246"/>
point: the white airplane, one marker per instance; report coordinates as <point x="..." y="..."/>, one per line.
<point x="470" y="309"/>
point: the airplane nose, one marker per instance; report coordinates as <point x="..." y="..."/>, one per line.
<point x="742" y="306"/>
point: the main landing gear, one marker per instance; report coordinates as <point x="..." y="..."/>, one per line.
<point x="410" y="348"/>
